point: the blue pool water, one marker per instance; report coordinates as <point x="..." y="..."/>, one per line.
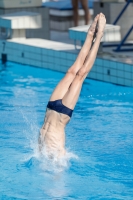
<point x="99" y="140"/>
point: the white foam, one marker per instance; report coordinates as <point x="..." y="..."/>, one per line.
<point x="57" y="164"/>
<point x="49" y="164"/>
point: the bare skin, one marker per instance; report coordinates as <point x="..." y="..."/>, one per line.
<point x="84" y="4"/>
<point x="52" y="133"/>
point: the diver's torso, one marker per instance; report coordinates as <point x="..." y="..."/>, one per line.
<point x="53" y="131"/>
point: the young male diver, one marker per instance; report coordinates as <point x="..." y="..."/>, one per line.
<point x="64" y="97"/>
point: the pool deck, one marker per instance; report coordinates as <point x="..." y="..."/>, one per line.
<point x="59" y="55"/>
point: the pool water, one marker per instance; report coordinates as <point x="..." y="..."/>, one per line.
<point x="99" y="140"/>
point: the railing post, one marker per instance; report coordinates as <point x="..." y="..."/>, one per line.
<point x="121" y="13"/>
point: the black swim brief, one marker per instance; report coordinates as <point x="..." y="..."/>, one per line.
<point x="59" y="107"/>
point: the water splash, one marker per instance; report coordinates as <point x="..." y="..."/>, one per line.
<point x="48" y="164"/>
<point x="56" y="164"/>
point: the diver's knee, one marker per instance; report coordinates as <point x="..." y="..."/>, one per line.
<point x="82" y="72"/>
<point x="72" y="71"/>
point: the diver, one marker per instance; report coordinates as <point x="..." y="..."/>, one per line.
<point x="64" y="97"/>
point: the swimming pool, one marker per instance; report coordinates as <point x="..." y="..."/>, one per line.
<point x="99" y="139"/>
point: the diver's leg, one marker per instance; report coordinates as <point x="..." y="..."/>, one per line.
<point x="63" y="86"/>
<point x="72" y="94"/>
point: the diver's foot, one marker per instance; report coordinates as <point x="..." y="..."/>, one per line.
<point x="101" y="24"/>
<point x="93" y="27"/>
